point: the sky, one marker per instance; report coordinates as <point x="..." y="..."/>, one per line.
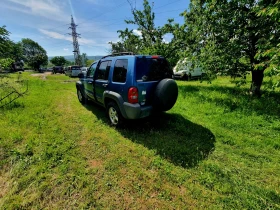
<point x="47" y="21"/>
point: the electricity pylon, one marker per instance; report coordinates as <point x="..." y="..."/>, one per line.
<point x="75" y="37"/>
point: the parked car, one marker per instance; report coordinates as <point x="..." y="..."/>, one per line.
<point x="58" y="69"/>
<point x="129" y="86"/>
<point x="183" y="71"/>
<point x="84" y="69"/>
<point x="73" y="71"/>
<point x="42" y="69"/>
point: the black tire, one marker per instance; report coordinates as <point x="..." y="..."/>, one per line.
<point x="166" y="94"/>
<point x="81" y="96"/>
<point x="114" y="114"/>
<point x="189" y="77"/>
<point x="202" y="76"/>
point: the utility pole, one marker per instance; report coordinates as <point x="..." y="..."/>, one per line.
<point x="75" y="36"/>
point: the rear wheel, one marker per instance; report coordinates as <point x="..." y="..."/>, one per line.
<point x="185" y="77"/>
<point x="189" y="77"/>
<point x="114" y="114"/>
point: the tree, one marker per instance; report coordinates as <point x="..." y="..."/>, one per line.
<point x="89" y="62"/>
<point x="271" y="49"/>
<point x="4" y="42"/>
<point x="16" y="51"/>
<point x="11" y="54"/>
<point x="146" y="38"/>
<point x="84" y="59"/>
<point x="34" y="54"/>
<point x="58" y="61"/>
<point x="225" y="36"/>
<point x="6" y="63"/>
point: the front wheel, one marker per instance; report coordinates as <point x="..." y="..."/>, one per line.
<point x="114" y="114"/>
<point x="81" y="96"/>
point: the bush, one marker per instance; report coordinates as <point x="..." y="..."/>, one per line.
<point x="6" y="63"/>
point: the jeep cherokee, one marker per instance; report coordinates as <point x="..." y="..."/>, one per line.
<point x="129" y="86"/>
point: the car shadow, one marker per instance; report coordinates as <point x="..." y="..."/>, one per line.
<point x="171" y="136"/>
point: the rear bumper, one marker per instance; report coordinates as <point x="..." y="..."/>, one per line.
<point x="135" y="111"/>
<point x="178" y="76"/>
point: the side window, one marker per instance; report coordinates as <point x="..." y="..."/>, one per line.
<point x="120" y="70"/>
<point x="91" y="70"/>
<point x="103" y="70"/>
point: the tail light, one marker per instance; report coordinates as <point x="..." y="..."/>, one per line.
<point x="133" y="95"/>
<point x="155" y="56"/>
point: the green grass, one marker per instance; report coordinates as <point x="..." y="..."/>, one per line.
<point x="217" y="148"/>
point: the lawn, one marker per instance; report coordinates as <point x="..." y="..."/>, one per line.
<point x="217" y="148"/>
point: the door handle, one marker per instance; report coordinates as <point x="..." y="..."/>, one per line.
<point x="104" y="85"/>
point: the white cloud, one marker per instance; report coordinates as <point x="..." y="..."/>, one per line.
<point x="137" y="32"/>
<point x="167" y="38"/>
<point x="56" y="35"/>
<point x="45" y="8"/>
<point x="65" y="49"/>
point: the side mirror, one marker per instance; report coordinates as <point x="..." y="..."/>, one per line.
<point x="81" y="75"/>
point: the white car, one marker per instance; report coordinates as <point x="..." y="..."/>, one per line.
<point x="73" y="71"/>
<point x="84" y="69"/>
<point x="182" y="70"/>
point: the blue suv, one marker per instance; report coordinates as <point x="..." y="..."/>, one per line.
<point x="129" y="86"/>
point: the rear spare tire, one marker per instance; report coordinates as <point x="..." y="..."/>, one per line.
<point x="166" y="94"/>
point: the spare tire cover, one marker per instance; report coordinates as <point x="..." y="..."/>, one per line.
<point x="166" y="94"/>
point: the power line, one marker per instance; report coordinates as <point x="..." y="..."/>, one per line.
<point x="167" y="4"/>
<point x="113" y="23"/>
<point x="168" y="11"/>
<point x="103" y="13"/>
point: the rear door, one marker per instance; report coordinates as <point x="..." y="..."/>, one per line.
<point x="149" y="71"/>
<point x="101" y="79"/>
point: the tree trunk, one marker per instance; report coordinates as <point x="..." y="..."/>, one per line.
<point x="257" y="79"/>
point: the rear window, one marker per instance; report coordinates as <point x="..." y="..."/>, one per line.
<point x="120" y="71"/>
<point x="152" y="69"/>
<point x="76" y="68"/>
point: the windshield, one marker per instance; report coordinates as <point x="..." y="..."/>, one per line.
<point x="152" y="69"/>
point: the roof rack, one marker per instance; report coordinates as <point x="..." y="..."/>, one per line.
<point x="119" y="53"/>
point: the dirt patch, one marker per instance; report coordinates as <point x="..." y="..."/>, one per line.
<point x="42" y="75"/>
<point x="95" y="163"/>
<point x="68" y="81"/>
<point x="4" y="184"/>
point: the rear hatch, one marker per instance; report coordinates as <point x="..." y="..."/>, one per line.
<point x="150" y="70"/>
